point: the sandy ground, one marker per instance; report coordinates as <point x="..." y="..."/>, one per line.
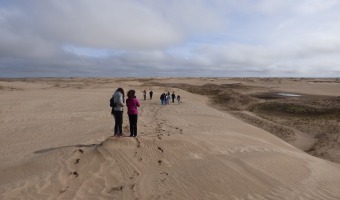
<point x="56" y="143"/>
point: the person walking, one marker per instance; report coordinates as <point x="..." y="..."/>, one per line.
<point x="178" y="98"/>
<point x="144" y="94"/>
<point x="132" y="104"/>
<point x="167" y="98"/>
<point x="151" y="93"/>
<point x="117" y="111"/>
<point x="162" y="98"/>
<point x="173" y="96"/>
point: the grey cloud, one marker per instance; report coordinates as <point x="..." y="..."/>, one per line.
<point x="117" y="24"/>
<point x="273" y="38"/>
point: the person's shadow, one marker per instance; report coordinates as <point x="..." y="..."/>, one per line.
<point x="56" y="148"/>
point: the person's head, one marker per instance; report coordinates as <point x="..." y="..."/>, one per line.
<point x="131" y="94"/>
<point x="121" y="91"/>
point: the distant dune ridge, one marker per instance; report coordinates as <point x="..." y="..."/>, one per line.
<point x="229" y="138"/>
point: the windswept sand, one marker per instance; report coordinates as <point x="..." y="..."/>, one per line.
<point x="55" y="143"/>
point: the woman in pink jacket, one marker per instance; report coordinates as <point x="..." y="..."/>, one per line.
<point x="132" y="103"/>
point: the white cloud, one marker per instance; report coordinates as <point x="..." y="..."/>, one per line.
<point x="315" y="6"/>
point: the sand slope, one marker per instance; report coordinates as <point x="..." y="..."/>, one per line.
<point x="56" y="143"/>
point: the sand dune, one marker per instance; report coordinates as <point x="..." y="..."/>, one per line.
<point x="56" y="143"/>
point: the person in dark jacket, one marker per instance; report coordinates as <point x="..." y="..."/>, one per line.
<point x="162" y="98"/>
<point x="151" y="93"/>
<point x="173" y="96"/>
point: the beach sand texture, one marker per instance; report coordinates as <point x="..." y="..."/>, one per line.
<point x="56" y="143"/>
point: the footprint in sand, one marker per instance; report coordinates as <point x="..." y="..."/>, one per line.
<point x="163" y="180"/>
<point x="116" y="189"/>
<point x="77" y="161"/>
<point x="134" y="175"/>
<point x="132" y="186"/>
<point x="74" y="174"/>
<point x="138" y="143"/>
<point x="64" y="189"/>
<point x="80" y="150"/>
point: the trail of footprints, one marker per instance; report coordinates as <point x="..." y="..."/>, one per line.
<point x="77" y="160"/>
<point x="130" y="186"/>
<point x="159" y="162"/>
<point x="162" y="128"/>
<point x="73" y="174"/>
<point x="161" y="125"/>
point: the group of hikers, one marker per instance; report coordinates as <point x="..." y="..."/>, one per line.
<point x="150" y="94"/>
<point x="165" y="98"/>
<point x="117" y="102"/>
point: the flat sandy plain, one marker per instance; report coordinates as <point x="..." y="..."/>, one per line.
<point x="229" y="138"/>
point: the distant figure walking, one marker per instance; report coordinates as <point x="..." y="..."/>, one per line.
<point x="132" y="104"/>
<point x="173" y="96"/>
<point x="168" y="96"/>
<point x="151" y="93"/>
<point x="117" y="111"/>
<point x="144" y="94"/>
<point x="162" y="98"/>
<point x="166" y="99"/>
<point x="178" y="98"/>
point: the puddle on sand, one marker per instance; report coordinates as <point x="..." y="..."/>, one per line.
<point x="289" y="95"/>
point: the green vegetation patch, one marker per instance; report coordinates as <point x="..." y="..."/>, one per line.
<point x="296" y="109"/>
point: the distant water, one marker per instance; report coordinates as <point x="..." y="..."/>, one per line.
<point x="289" y="95"/>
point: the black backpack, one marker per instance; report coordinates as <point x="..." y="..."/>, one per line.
<point x="112" y="103"/>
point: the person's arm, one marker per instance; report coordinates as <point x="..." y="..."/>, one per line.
<point x="137" y="103"/>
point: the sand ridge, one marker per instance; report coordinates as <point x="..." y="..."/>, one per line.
<point x="64" y="149"/>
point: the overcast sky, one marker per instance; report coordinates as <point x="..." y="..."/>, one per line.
<point x="217" y="38"/>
